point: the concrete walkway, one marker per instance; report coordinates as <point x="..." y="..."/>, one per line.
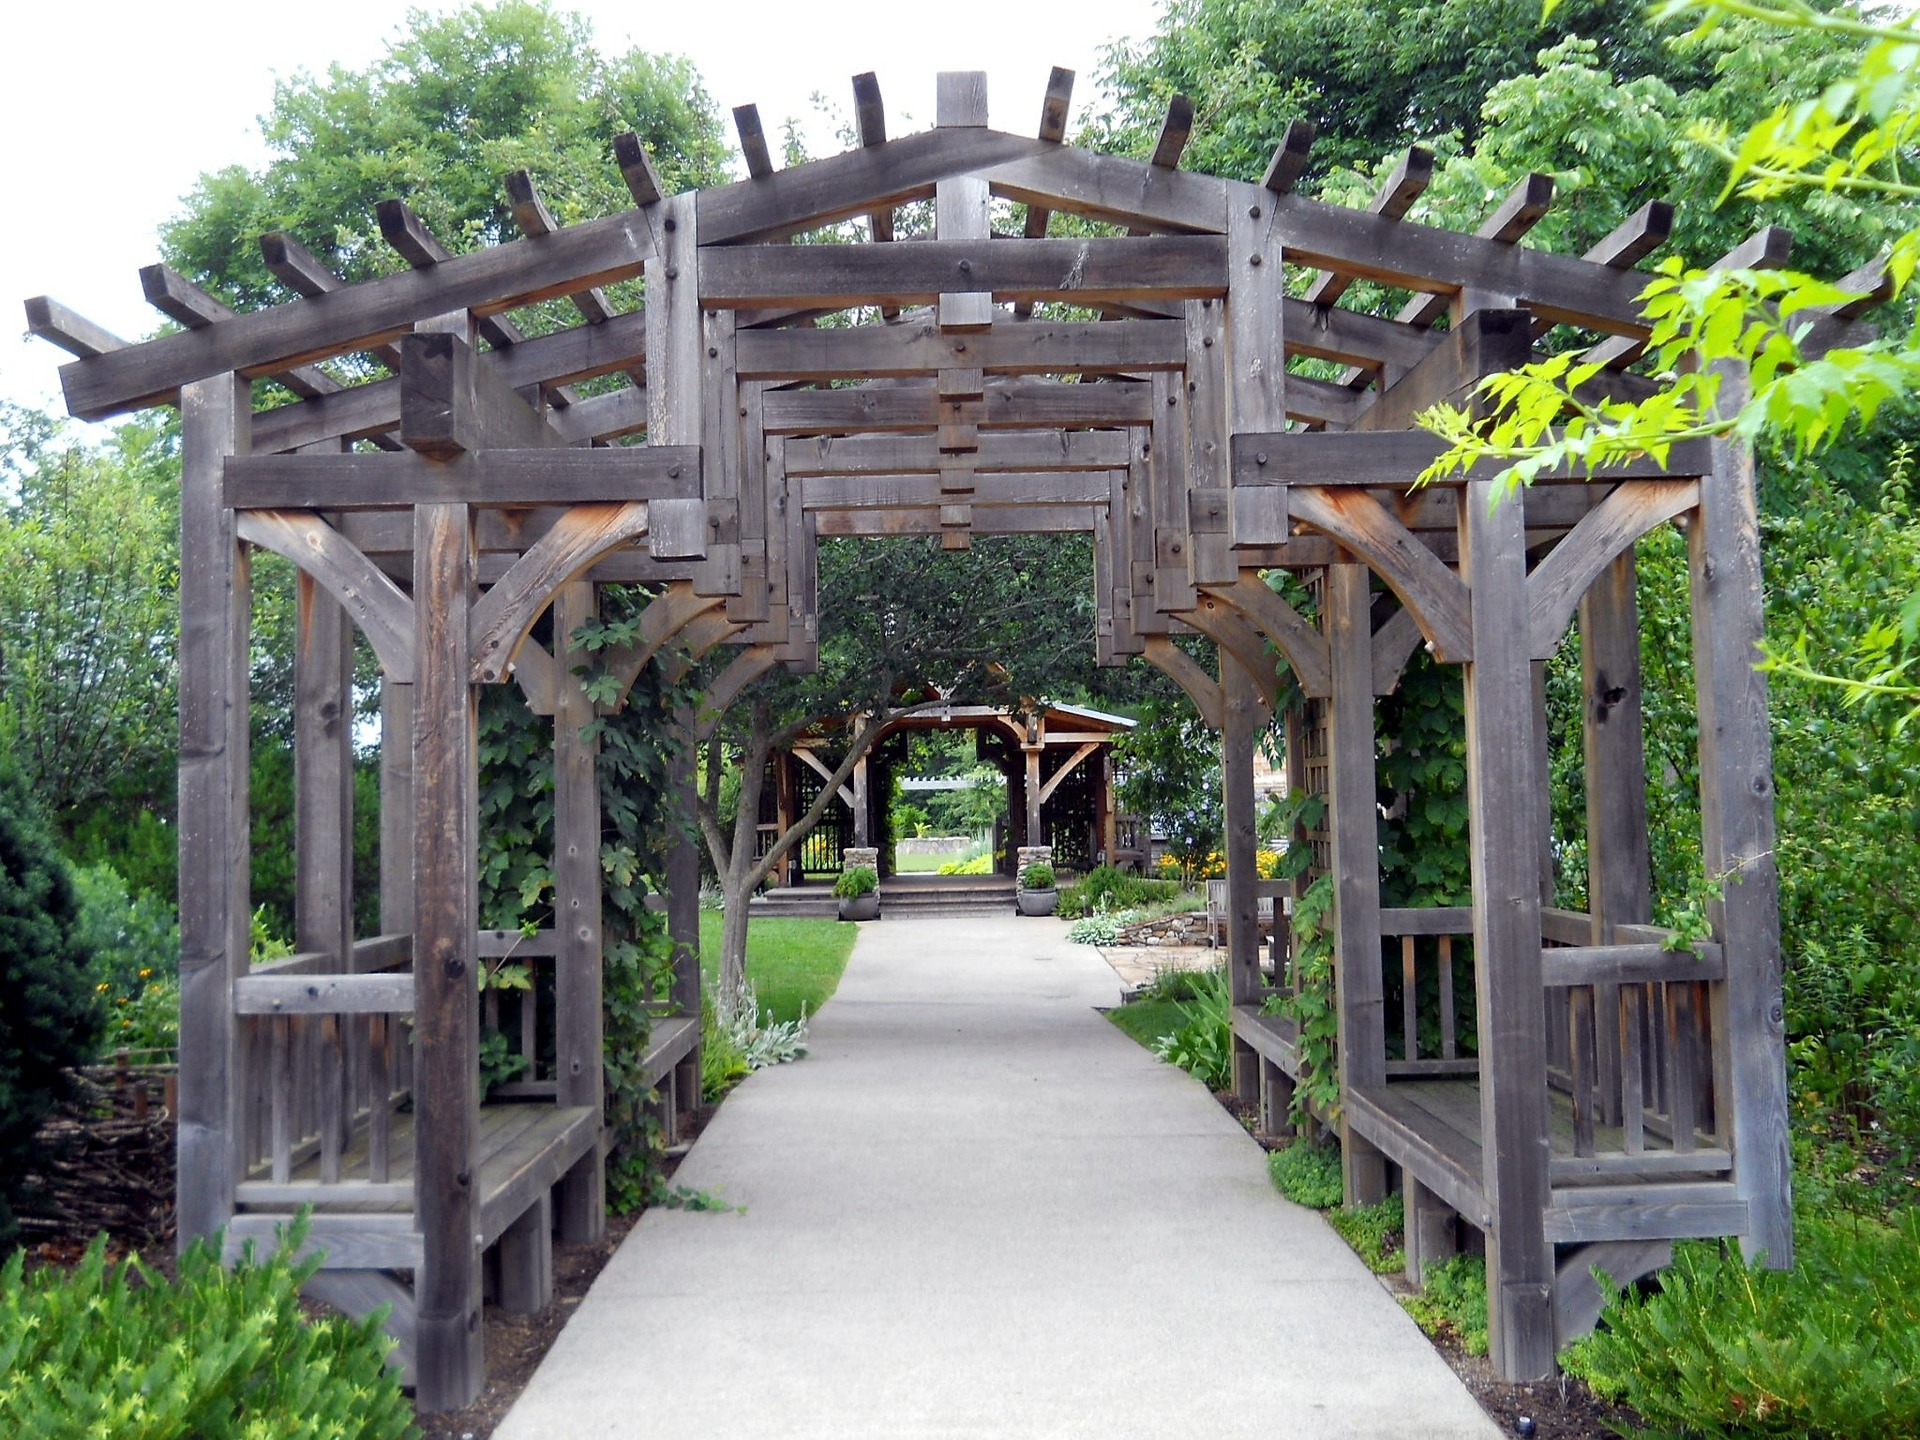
<point x="977" y="1209"/>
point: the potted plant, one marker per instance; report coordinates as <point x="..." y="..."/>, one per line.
<point x="858" y="891"/>
<point x="1036" y="895"/>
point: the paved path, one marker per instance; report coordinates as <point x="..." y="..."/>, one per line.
<point x="978" y="1209"/>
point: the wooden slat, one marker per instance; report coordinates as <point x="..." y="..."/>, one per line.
<point x="495" y="478"/>
<point x="178" y="298"/>
<point x="1404" y="184"/>
<point x="516" y="1176"/>
<point x="397" y="1194"/>
<point x="349" y="1242"/>
<point x="1629" y="964"/>
<point x="1020" y="404"/>
<point x="1638" y="1212"/>
<point x="300" y="270"/>
<point x="1290" y="157"/>
<point x="919" y="348"/>
<point x="1637" y="1168"/>
<point x="1524" y="207"/>
<point x="1444" y="1160"/>
<point x="323" y="994"/>
<point x="753" y="141"/>
<point x="999" y="451"/>
<point x="1427" y="920"/>
<point x="1053" y="128"/>
<point x="73" y="333"/>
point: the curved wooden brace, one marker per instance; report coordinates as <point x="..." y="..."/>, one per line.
<point x="1303" y="645"/>
<point x="381" y="610"/>
<point x="1185" y="671"/>
<point x="745" y="668"/>
<point x="699" y="636"/>
<point x="1436" y="596"/>
<point x="1577" y="1296"/>
<point x="1603" y="533"/>
<point x="665" y="616"/>
<point x="1393" y="645"/>
<point x="1221" y="624"/>
<point x="503" y="616"/>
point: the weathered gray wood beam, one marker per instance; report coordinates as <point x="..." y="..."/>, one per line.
<point x="919" y="347"/>
<point x="753" y="141"/>
<point x="530" y="213"/>
<point x="491" y="478"/>
<point x="1484" y="343"/>
<point x="300" y="270"/>
<point x="983" y="520"/>
<point x="922" y="492"/>
<point x="452" y="402"/>
<point x="51" y="321"/>
<point x="1524" y="207"/>
<point x="1395" y="458"/>
<point x="1081" y="272"/>
<point x="178" y="298"/>
<point x="1053" y="128"/>
<point x="636" y="169"/>
<point x="1000" y="450"/>
<point x="1290" y="157"/>
<point x="1407" y="182"/>
<point x="1175" y="130"/>
<point x="1766" y="249"/>
<point x="1018" y="404"/>
<point x="870" y="114"/>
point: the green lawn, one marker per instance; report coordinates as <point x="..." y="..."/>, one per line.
<point x="792" y="962"/>
<point x="1147" y="1020"/>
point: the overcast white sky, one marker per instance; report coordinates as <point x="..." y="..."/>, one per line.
<point x="109" y="110"/>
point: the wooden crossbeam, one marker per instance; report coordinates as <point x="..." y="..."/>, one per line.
<point x="1082" y="272"/>
<point x="178" y="298"/>
<point x="753" y="141"/>
<point x="1053" y="127"/>
<point x="1483" y="343"/>
<point x="1006" y="405"/>
<point x="870" y="114"/>
<point x="924" y="492"/>
<point x="919" y="348"/>
<point x="1525" y="205"/>
<point x="493" y="478"/>
<point x="1393" y="459"/>
<point x="1290" y="157"/>
<point x="530" y="213"/>
<point x="1175" y="130"/>
<point x="407" y="233"/>
<point x="300" y="270"/>
<point x="636" y="169"/>
<point x="73" y="333"/>
<point x="1407" y="182"/>
<point x="999" y="451"/>
<point x="982" y="520"/>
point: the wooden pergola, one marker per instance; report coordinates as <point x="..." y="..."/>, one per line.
<point x="1622" y="1095"/>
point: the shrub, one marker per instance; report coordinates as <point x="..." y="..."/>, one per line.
<point x="1374" y="1232"/>
<point x="1203" y="1044"/>
<point x="121" y="1350"/>
<point x="1172" y="982"/>
<point x="737" y="1038"/>
<point x="978" y="865"/>
<point x="1827" y="1349"/>
<point x="1453" y="1302"/>
<point x="1308" y="1174"/>
<point x="855" y="882"/>
<point x="1100" y="929"/>
<point x="51" y="1018"/>
<point x="1037" y="876"/>
<point x="1108" y="888"/>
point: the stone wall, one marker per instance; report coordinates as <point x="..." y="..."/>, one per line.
<point x="1189" y="928"/>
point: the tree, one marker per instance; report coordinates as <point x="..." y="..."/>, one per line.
<point x="87" y="564"/>
<point x="452" y="106"/>
<point x="50" y="1020"/>
<point x="1375" y="77"/>
<point x="904" y="625"/>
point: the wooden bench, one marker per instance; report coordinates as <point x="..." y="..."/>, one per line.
<point x="1217" y="912"/>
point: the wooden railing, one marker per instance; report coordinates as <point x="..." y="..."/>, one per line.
<point x="1438" y="927"/>
<point x="1630" y="1041"/>
<point x="528" y="1012"/>
<point x="327" y="1053"/>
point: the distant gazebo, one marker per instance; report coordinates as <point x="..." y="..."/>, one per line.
<point x="1057" y="760"/>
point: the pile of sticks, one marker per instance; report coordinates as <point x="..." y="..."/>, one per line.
<point x="105" y="1161"/>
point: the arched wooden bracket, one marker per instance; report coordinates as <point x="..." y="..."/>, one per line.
<point x="1304" y="647"/>
<point x="537" y="674"/>
<point x="699" y="636"/>
<point x="1248" y="647"/>
<point x="1436" y="596"/>
<point x="1603" y="533"/>
<point x="502" y="617"/>
<point x="1577" y="1296"/>
<point x="1393" y="645"/>
<point x="745" y="668"/>
<point x="379" y="607"/>
<point x="665" y="616"/>
<point x="1185" y="671"/>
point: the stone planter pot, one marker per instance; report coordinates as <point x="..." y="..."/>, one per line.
<point x="861" y="907"/>
<point x="1036" y="902"/>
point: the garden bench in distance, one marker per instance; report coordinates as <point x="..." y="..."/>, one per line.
<point x="1622" y="1094"/>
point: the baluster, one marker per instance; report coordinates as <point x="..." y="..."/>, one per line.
<point x="529" y="1014"/>
<point x="280" y="1086"/>
<point x="1633" y="1112"/>
<point x="1449" y="1045"/>
<point x="1681" y="1049"/>
<point x="332" y="1074"/>
<point x="1411" y="1041"/>
<point x="1580" y="1043"/>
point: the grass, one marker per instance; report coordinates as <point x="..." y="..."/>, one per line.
<point x="1147" y="1020"/>
<point x="920" y="864"/>
<point x="792" y="962"/>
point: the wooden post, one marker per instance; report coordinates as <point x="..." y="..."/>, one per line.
<point x="1619" y="888"/>
<point x="1237" y="740"/>
<point x="446" y="1092"/>
<point x="1737" y="834"/>
<point x="1501" y="775"/>
<point x="323" y="829"/>
<point x="862" y="804"/>
<point x="1426" y="1228"/>
<point x="1352" y="810"/>
<point x="576" y="908"/>
<point x="215" y="909"/>
<point x="1036" y="832"/>
<point x="683" y="873"/>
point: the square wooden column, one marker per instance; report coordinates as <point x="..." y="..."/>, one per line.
<point x="1737" y="838"/>
<point x="215" y="902"/>
<point x="1243" y="716"/>
<point x="1353" y="820"/>
<point x="578" y="1021"/>
<point x="1501" y="776"/>
<point x="446" y="1092"/>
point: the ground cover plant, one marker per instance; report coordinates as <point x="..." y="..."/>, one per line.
<point x="1451" y="1303"/>
<point x="118" y="1349"/>
<point x="1307" y="1174"/>
<point x="794" y="963"/>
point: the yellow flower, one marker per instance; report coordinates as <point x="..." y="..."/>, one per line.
<point x="145" y="973"/>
